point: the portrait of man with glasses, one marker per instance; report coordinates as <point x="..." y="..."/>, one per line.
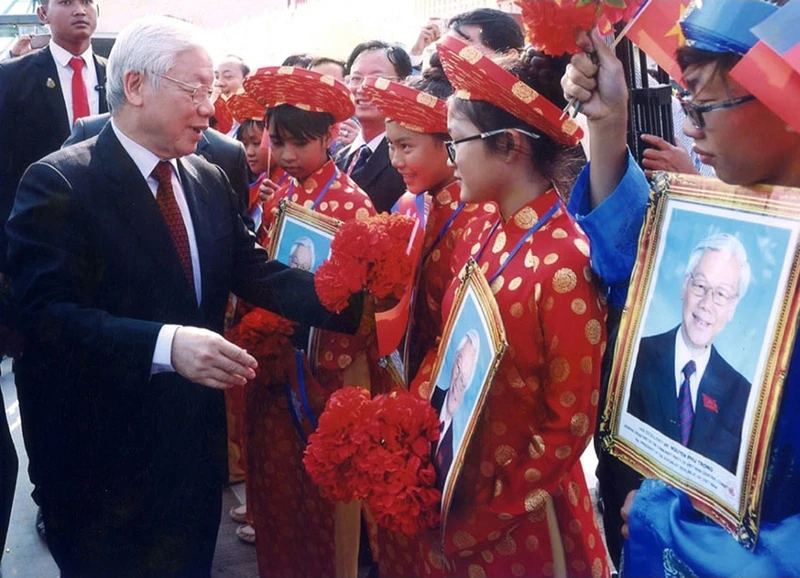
<point x="681" y="384"/>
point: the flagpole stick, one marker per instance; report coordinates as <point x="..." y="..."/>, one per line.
<point x="612" y="47"/>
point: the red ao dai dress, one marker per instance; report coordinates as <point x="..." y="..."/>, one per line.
<point x="294" y="524"/>
<point x="521" y="506"/>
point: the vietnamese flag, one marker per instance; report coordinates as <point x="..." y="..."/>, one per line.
<point x="656" y="30"/>
<point x="780" y="32"/>
<point x="768" y="77"/>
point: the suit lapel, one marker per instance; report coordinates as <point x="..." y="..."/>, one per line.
<point x="197" y="199"/>
<point x="47" y="77"/>
<point x="376" y="163"/>
<point x="668" y="400"/>
<point x="100" y="68"/>
<point x="139" y="208"/>
<point x="711" y="386"/>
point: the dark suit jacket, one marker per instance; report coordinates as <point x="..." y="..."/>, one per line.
<point x="33" y="120"/>
<point x="443" y="458"/>
<point x="379" y="179"/>
<point x="225" y="152"/>
<point x="715" y="434"/>
<point x="96" y="275"/>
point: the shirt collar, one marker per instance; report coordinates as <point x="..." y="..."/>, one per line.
<point x="683" y="355"/>
<point x="319" y="178"/>
<point x="373" y="144"/>
<point x="450" y="193"/>
<point x="63" y="56"/>
<point x="144" y="159"/>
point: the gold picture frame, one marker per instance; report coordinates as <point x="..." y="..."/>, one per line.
<point x="727" y="258"/>
<point x="472" y="346"/>
<point x="295" y="221"/>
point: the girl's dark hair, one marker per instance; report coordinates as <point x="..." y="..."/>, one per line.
<point x="300" y="60"/>
<point x="499" y="30"/>
<point x="543" y="73"/>
<point x="302" y="125"/>
<point x="434" y="82"/>
<point x="246" y="125"/>
<point x="321" y="60"/>
<point x="688" y="56"/>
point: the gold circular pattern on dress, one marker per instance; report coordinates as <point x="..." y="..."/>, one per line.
<point x="582" y="246"/>
<point x="551" y="258"/>
<point x="575" y="526"/>
<point x="514" y="379"/>
<point x="573" y="493"/>
<point x="563" y="452"/>
<point x="476" y="571"/>
<point x="597" y="568"/>
<point x="554" y="343"/>
<point x="532" y="475"/>
<point x="517" y="569"/>
<point x="567" y="399"/>
<point x="530" y="260"/>
<point x="435" y="560"/>
<point x="487" y="469"/>
<point x="436" y="255"/>
<point x="587" y="365"/>
<point x="559" y="233"/>
<point x="592" y="541"/>
<point x="525" y="218"/>
<point x="579" y="566"/>
<point x="549" y="303"/>
<point x="587" y="503"/>
<point x="536" y="500"/>
<point x="547" y="569"/>
<point x="475" y="248"/>
<point x="579" y="424"/>
<point x="362" y="214"/>
<point x="487" y="556"/>
<point x="594" y="331"/>
<point x="344" y="360"/>
<point x="466" y="553"/>
<point x="595" y="398"/>
<point x="533" y="383"/>
<point x="425" y="389"/>
<point x="506" y="547"/>
<point x="499" y="428"/>
<point x="532" y="543"/>
<point x="308" y="204"/>
<point x="328" y="356"/>
<point x="348" y="206"/>
<point x="484" y="268"/>
<point x="504" y="455"/>
<point x="498" y="488"/>
<point x="564" y="280"/>
<point x="517" y="310"/>
<point x="579" y="306"/>
<point x="559" y="370"/>
<point x="324" y="206"/>
<point x="344" y="341"/>
<point x="536" y="448"/>
<point x="505" y="517"/>
<point x="491" y="209"/>
<point x="494" y="536"/>
<point x="499" y="243"/>
<point x="569" y="545"/>
<point x="334" y="205"/>
<point x="515" y="283"/>
<point x="463" y="540"/>
<point x="497" y="285"/>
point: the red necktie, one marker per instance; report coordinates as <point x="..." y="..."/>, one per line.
<point x="80" y="101"/>
<point x="172" y="216"/>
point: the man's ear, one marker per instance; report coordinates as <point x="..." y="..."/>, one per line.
<point x="41" y="12"/>
<point x="134" y="83"/>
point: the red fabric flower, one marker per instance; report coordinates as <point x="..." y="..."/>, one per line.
<point x="266" y="336"/>
<point x="552" y="25"/>
<point x="378" y="451"/>
<point x="366" y="254"/>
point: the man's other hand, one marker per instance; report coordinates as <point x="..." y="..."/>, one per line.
<point x="205" y="357"/>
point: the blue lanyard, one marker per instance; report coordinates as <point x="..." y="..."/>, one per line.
<point x="301" y="381"/>
<point x="444" y="230"/>
<point x="536" y="226"/>
<point x="321" y="195"/>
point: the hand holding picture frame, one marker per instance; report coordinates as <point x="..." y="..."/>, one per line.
<point x="472" y="346"/>
<point x="704" y="343"/>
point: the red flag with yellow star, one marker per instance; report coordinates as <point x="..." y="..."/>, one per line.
<point x="656" y="30"/>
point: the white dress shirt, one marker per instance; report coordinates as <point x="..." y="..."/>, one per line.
<point x="65" y="72"/>
<point x="682" y="357"/>
<point x="146" y="162"/>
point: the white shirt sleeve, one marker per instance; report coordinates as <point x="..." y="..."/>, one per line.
<point x="162" y="356"/>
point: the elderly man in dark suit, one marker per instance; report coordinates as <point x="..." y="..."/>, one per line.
<point x="366" y="160"/>
<point x="681" y="384"/>
<point x="225" y="152"/>
<point x="122" y="252"/>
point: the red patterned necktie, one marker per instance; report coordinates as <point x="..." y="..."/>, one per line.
<point x="685" y="409"/>
<point x="172" y="216"/>
<point x="80" y="100"/>
<point x="359" y="161"/>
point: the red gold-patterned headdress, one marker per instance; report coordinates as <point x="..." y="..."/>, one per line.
<point x="244" y="107"/>
<point x="410" y="108"/>
<point x="304" y="89"/>
<point x="475" y="76"/>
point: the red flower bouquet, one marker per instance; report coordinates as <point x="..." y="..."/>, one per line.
<point x="552" y="25"/>
<point x="369" y="254"/>
<point x="266" y="336"/>
<point x="378" y="451"/>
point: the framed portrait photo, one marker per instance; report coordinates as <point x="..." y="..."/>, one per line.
<point x="302" y="238"/>
<point x="704" y="343"/>
<point x="472" y="346"/>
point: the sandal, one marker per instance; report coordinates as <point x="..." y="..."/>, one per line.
<point x="239" y="514"/>
<point x="246" y="533"/>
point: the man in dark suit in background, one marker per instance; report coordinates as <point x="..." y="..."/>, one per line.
<point x="681" y="384"/>
<point x="122" y="252"/>
<point x="449" y="401"/>
<point x="366" y="160"/>
<point x="225" y="152"/>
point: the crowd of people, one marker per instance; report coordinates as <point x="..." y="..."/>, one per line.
<point x="141" y="197"/>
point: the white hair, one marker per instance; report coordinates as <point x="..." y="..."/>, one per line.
<point x="720" y="242"/>
<point x="150" y="47"/>
<point x="308" y="244"/>
<point x="473" y="339"/>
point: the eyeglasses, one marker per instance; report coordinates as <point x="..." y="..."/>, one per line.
<point x="198" y="93"/>
<point x="695" y="111"/>
<point x="358" y="80"/>
<point x="450" y="145"/>
<point x="720" y="296"/>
